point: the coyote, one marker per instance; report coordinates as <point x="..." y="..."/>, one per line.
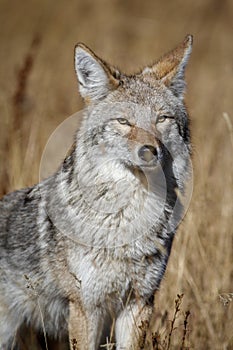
<point x="83" y="252"/>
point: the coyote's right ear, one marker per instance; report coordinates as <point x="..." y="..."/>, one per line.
<point x="96" y="78"/>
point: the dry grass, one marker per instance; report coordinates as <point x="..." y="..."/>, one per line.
<point x="132" y="33"/>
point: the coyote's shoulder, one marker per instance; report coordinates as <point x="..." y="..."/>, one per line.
<point x="85" y="250"/>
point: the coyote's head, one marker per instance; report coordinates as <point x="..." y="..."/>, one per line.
<point x="137" y="120"/>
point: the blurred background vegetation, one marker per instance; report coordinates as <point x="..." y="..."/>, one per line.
<point x="39" y="90"/>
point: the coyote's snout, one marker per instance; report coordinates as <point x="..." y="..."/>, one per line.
<point x="83" y="252"/>
<point x="146" y="145"/>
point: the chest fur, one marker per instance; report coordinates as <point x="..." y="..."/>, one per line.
<point x="106" y="278"/>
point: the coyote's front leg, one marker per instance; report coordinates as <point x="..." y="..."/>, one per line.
<point x="131" y="326"/>
<point x="84" y="327"/>
<point x="77" y="326"/>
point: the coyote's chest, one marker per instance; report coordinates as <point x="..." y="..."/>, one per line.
<point x="106" y="277"/>
<point x="117" y="251"/>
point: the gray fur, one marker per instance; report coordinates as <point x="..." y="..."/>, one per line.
<point x="98" y="233"/>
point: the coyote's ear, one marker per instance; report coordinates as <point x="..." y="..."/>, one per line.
<point x="171" y="67"/>
<point x="96" y="78"/>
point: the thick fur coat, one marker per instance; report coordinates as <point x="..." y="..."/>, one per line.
<point x="86" y="249"/>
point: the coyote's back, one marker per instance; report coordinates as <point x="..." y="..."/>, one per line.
<point x="85" y="250"/>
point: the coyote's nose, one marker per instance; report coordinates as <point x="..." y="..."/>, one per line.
<point x="147" y="153"/>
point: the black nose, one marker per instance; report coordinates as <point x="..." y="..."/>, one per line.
<point x="147" y="153"/>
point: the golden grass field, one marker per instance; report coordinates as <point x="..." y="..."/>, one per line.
<point x="39" y="90"/>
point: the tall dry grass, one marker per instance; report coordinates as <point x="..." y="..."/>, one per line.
<point x="38" y="91"/>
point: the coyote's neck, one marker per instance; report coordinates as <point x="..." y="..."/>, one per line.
<point x="107" y="204"/>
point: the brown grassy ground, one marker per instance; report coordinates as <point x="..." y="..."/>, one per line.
<point x="37" y="39"/>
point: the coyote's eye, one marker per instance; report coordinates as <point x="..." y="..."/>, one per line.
<point x="123" y="121"/>
<point x="162" y="118"/>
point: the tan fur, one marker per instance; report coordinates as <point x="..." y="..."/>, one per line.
<point x="78" y="326"/>
<point x="142" y="136"/>
<point x="168" y="65"/>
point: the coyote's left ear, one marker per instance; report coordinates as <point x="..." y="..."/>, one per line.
<point x="96" y="78"/>
<point x="170" y="68"/>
